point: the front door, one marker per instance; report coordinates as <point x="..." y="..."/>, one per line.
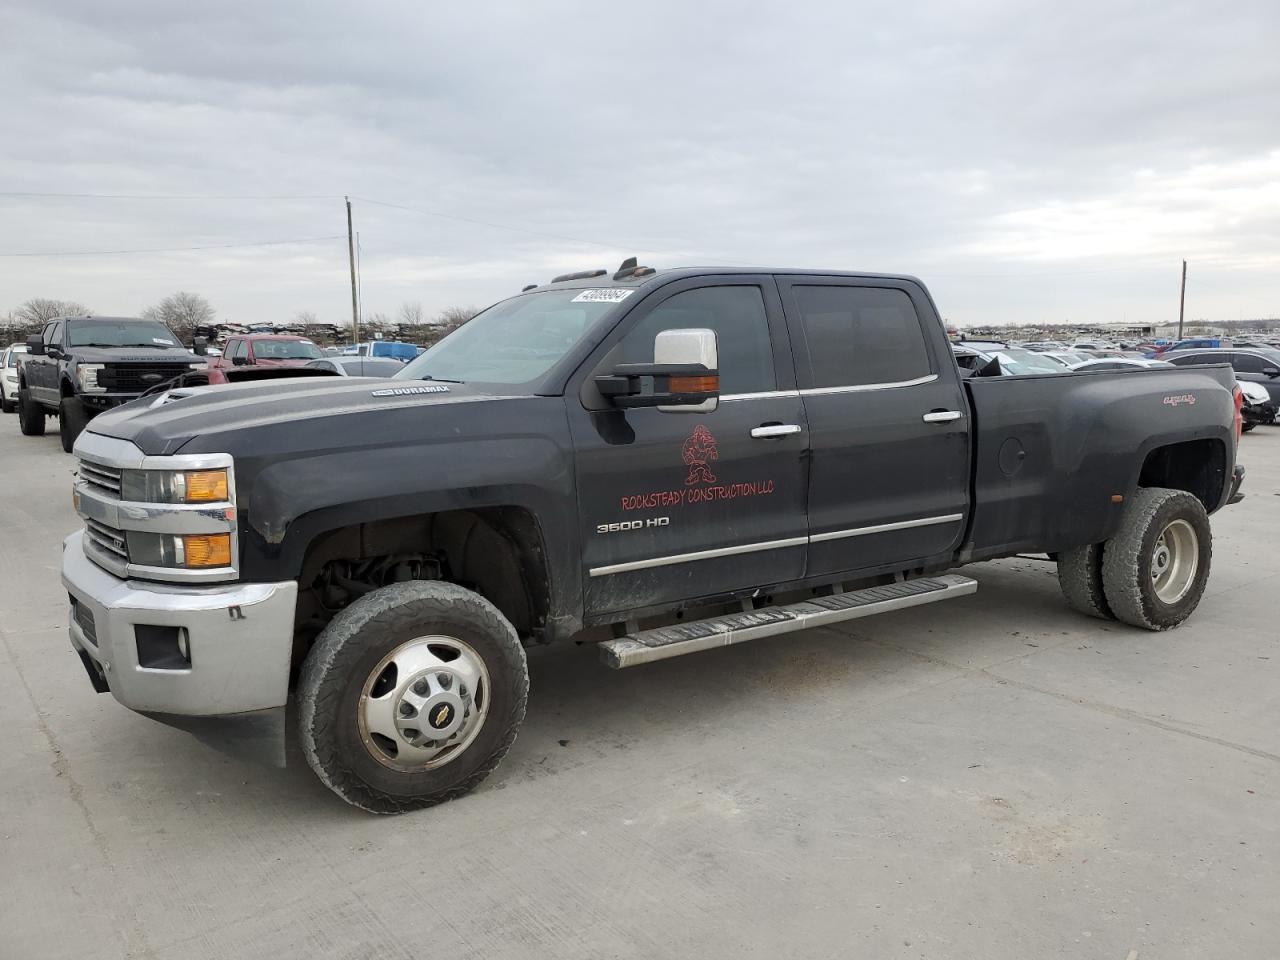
<point x="42" y="375"/>
<point x="679" y="506"/>
<point x="888" y="423"/>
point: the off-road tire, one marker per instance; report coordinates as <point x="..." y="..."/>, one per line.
<point x="30" y="415"/>
<point x="6" y="405"/>
<point x="72" y="419"/>
<point x="1127" y="558"/>
<point x="1080" y="577"/>
<point x="350" y="647"/>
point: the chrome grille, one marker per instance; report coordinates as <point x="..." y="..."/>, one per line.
<point x="107" y="538"/>
<point x="100" y="476"/>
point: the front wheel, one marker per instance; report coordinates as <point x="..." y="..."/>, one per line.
<point x="1156" y="567"/>
<point x="411" y="696"/>
<point x="72" y="419"/>
<point x="6" y="404"/>
<point x="30" y="415"/>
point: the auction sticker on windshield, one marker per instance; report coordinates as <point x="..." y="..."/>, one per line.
<point x="602" y="296"/>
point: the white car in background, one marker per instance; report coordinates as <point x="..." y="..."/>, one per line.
<point x="1119" y="363"/>
<point x="9" y="376"/>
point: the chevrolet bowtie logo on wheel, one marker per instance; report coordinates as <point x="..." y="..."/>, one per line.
<point x="440" y="717"/>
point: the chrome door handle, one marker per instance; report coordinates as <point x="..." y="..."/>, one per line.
<point x="942" y="416"/>
<point x="775" y="430"/>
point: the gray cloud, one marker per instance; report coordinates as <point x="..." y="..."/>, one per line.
<point x="1041" y="161"/>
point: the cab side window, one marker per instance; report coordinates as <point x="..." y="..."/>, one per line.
<point x="861" y="336"/>
<point x="242" y="349"/>
<point x="53" y="334"/>
<point x="735" y="313"/>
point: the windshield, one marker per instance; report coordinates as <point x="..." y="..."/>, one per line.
<point x="1025" y="361"/>
<point x="515" y="341"/>
<point x="285" y="350"/>
<point x="13" y="357"/>
<point x="120" y="333"/>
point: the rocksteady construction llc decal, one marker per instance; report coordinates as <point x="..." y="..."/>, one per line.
<point x="700" y="483"/>
<point x="1187" y="398"/>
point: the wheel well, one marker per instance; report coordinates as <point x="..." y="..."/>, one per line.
<point x="495" y="551"/>
<point x="1196" y="466"/>
<point x="65" y="389"/>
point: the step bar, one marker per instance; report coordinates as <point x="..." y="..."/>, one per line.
<point x="660" y="643"/>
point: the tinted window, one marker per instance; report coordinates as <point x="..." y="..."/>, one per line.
<point x="242" y="349"/>
<point x="1247" y="363"/>
<point x="53" y="333"/>
<point x="1186" y="359"/>
<point x="285" y="350"/>
<point x="861" y="335"/>
<point x="737" y="316"/>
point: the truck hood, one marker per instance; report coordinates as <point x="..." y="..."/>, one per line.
<point x="134" y="355"/>
<point x="163" y="423"/>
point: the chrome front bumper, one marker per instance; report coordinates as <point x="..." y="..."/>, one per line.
<point x="238" y="639"/>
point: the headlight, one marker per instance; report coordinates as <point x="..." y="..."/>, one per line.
<point x="189" y="551"/>
<point x="174" y="486"/>
<point x="87" y="374"/>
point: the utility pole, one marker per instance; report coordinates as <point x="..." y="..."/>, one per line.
<point x="359" y="282"/>
<point x="1182" y="300"/>
<point x="351" y="259"/>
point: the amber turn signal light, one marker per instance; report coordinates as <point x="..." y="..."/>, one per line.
<point x="206" y="486"/>
<point x="207" y="549"/>
<point x="705" y="384"/>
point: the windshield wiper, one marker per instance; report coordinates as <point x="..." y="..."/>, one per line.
<point x="427" y="376"/>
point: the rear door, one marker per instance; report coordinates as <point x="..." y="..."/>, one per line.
<point x="888" y="423"/>
<point x="680" y="506"/>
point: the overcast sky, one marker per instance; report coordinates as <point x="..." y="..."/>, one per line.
<point x="1040" y="162"/>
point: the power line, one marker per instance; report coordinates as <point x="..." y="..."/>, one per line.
<point x="165" y="196"/>
<point x="212" y="246"/>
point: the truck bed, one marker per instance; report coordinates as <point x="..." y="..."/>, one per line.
<point x="1051" y="453"/>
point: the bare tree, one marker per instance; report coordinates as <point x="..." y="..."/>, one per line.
<point x="182" y="312"/>
<point x="378" y="320"/>
<point x="40" y="310"/>
<point x="411" y="313"/>
<point x="305" y="317"/>
<point x="451" y="318"/>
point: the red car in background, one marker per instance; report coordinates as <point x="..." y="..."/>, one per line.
<point x="263" y="351"/>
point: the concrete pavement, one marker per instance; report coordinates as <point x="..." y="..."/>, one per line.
<point x="995" y="777"/>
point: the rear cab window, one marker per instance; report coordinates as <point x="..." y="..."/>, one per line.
<point x="861" y="336"/>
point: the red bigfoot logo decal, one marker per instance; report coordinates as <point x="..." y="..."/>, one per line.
<point x="696" y="451"/>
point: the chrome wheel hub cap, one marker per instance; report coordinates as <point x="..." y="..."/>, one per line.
<point x="424" y="703"/>
<point x="1174" y="561"/>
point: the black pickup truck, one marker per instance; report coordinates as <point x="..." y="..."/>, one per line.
<point x="76" y="367"/>
<point x="655" y="461"/>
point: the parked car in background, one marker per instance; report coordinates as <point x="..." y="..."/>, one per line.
<point x="1118" y="363"/>
<point x="9" y="376"/>
<point x="1043" y="346"/>
<point x="77" y="367"/>
<point x="265" y="350"/>
<point x="1091" y="345"/>
<point x="1067" y="358"/>
<point x="1260" y="366"/>
<point x="394" y="349"/>
<point x="1258" y="407"/>
<point x="1014" y="361"/>
<point x="1194" y="343"/>
<point x="358" y="366"/>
